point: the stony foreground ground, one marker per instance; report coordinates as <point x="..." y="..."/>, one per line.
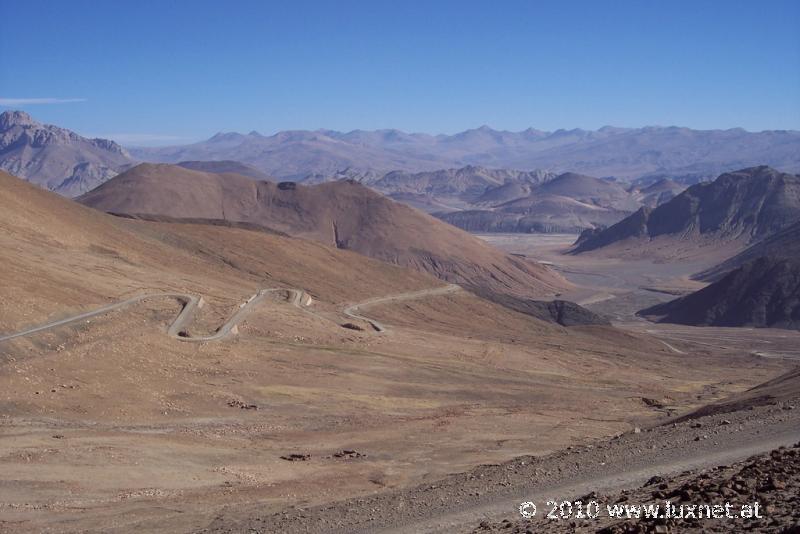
<point x="678" y="461"/>
<point x="772" y="480"/>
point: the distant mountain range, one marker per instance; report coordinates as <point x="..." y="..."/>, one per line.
<point x="437" y="173"/>
<point x="55" y="158"/>
<point x="480" y="198"/>
<point x="625" y="153"/>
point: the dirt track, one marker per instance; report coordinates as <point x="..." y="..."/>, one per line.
<point x="352" y="311"/>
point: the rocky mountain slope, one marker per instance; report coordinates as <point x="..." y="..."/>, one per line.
<point x="55" y="158"/>
<point x="621" y="152"/>
<point x="743" y="206"/>
<point x="344" y="214"/>
<point x="783" y="245"/>
<point x="762" y="293"/>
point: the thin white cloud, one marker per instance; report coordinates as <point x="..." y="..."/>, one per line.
<point x="36" y="101"/>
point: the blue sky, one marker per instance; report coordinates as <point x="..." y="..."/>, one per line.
<point x="154" y="72"/>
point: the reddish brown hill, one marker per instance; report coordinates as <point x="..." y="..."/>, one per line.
<point x="345" y="214"/>
<point x="226" y="166"/>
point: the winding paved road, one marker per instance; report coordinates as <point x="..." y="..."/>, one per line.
<point x="177" y="329"/>
<point x="191" y="303"/>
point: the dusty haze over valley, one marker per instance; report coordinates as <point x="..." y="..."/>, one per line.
<point x="342" y="325"/>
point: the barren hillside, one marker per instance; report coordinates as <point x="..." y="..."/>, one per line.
<point x="343" y="214"/>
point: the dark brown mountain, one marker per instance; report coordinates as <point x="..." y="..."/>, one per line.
<point x="784" y="245"/>
<point x="561" y="312"/>
<point x="55" y="158"/>
<point x="744" y="207"/>
<point x="345" y="214"/>
<point x="761" y="293"/>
